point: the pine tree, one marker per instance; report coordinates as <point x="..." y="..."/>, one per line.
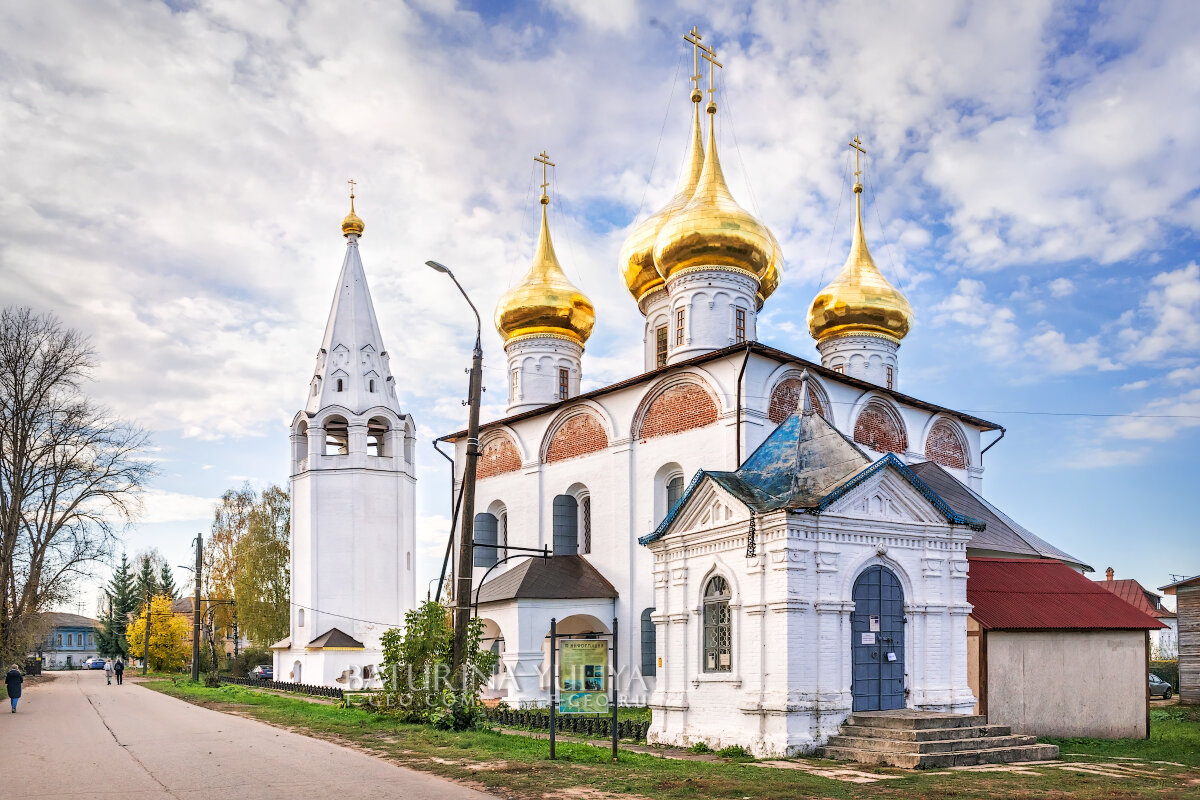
<point x="166" y="583"/>
<point x="122" y="602"/>
<point x="147" y="582"/>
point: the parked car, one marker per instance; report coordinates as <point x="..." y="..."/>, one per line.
<point x="263" y="672"/>
<point x="1159" y="687"/>
<point x="96" y="663"/>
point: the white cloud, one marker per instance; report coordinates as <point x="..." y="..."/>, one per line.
<point x="161" y="506"/>
<point x="1103" y="458"/>
<point x="1184" y="374"/>
<point x="1161" y="419"/>
<point x="1171" y="313"/>
<point x="1061" y="287"/>
<point x="1056" y="354"/>
<point x="1134" y="386"/>
<point x="995" y="326"/>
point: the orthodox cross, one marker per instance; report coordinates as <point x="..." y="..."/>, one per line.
<point x="858" y="149"/>
<point x="352" y="184"/>
<point x="694" y="37"/>
<point x="710" y="55"/>
<point x="545" y="161"/>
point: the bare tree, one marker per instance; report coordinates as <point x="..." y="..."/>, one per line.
<point x="70" y="472"/>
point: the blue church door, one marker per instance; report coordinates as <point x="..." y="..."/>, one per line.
<point x="877" y="641"/>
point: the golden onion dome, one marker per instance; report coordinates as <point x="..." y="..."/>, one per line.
<point x="545" y="303"/>
<point x="860" y="299"/>
<point x="352" y="224"/>
<point x="637" y="254"/>
<point x="770" y="281"/>
<point x="712" y="230"/>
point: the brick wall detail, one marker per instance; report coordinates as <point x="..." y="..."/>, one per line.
<point x="497" y="457"/>
<point x="680" y="408"/>
<point x="944" y="446"/>
<point x="578" y="436"/>
<point x="786" y="399"/>
<point x="878" y="430"/>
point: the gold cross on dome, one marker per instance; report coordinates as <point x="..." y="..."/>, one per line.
<point x="694" y="37"/>
<point x="352" y="184"/>
<point x="710" y="55"/>
<point x="545" y="161"/>
<point x="858" y="149"/>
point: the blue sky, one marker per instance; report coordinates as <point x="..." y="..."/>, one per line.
<point x="178" y="174"/>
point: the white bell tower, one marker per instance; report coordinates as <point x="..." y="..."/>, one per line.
<point x="352" y="491"/>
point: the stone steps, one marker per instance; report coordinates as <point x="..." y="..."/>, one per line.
<point x="925" y="739"/>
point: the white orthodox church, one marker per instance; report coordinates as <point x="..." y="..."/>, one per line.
<point x="782" y="543"/>
<point x="352" y="492"/>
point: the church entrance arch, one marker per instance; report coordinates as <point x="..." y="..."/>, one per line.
<point x="877" y="641"/>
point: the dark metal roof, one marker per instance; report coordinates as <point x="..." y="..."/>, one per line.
<point x="1045" y="594"/>
<point x="282" y="644"/>
<point x="755" y="347"/>
<point x="806" y="464"/>
<point x="1171" y="587"/>
<point x="1000" y="535"/>
<point x="62" y="619"/>
<point x="554" y="578"/>
<point x="334" y="638"/>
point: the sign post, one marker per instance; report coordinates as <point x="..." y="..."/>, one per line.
<point x="615" y="671"/>
<point x="553" y="681"/>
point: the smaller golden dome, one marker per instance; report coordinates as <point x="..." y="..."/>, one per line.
<point x="712" y="230"/>
<point x="545" y="302"/>
<point x="860" y="299"/>
<point x="352" y="224"/>
<point x="637" y="253"/>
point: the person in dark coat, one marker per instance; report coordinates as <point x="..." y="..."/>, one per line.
<point x="12" y="682"/>
<point x="119" y="668"/>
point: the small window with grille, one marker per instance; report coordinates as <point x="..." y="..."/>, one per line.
<point x="585" y="524"/>
<point x="564" y="383"/>
<point x="839" y="368"/>
<point x="718" y="639"/>
<point x="679" y="320"/>
<point x="512" y="388"/>
<point x="890" y="377"/>
<point x="739" y="325"/>
<point x="660" y="346"/>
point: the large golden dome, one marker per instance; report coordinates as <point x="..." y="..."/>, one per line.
<point x="637" y="254"/>
<point x="860" y="299"/>
<point x="545" y="303"/>
<point x="713" y="231"/>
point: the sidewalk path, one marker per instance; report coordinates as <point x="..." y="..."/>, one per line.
<point x="75" y="736"/>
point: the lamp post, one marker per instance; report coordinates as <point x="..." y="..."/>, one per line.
<point x="466" y="560"/>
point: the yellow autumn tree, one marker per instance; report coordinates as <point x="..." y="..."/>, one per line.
<point x="169" y="647"/>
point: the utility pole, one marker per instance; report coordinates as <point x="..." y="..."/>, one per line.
<point x="466" y="553"/>
<point x="196" y="611"/>
<point x="146" y="643"/>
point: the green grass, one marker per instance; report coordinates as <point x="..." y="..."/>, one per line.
<point x="1174" y="736"/>
<point x="517" y="766"/>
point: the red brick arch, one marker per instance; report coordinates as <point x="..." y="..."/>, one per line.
<point x="944" y="445"/>
<point x="785" y="399"/>
<point x="579" y="435"/>
<point x="879" y="429"/>
<point x="680" y="407"/>
<point x="498" y="456"/>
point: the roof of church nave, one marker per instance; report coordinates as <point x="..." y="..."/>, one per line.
<point x="702" y="226"/>
<point x="545" y="302"/>
<point x="767" y="351"/>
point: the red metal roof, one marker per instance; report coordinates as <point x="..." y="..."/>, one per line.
<point x="1134" y="593"/>
<point x="1045" y="594"/>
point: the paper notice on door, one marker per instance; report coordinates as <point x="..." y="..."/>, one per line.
<point x="891" y="656"/>
<point x="868" y="638"/>
<point x="874" y="623"/>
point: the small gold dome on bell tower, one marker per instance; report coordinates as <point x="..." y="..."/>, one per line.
<point x="352" y="223"/>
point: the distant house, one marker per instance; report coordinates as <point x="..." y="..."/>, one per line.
<point x="70" y="640"/>
<point x="1051" y="653"/>
<point x="1187" y="607"/>
<point x="1164" y="642"/>
<point x="183" y="608"/>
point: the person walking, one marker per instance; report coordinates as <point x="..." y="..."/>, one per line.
<point x="12" y="682"/>
<point x="119" y="668"/>
<point x="108" y="670"/>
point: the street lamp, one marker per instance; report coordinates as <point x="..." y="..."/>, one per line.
<point x="466" y="555"/>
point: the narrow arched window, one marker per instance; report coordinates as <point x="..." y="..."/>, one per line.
<point x="502" y="529"/>
<point x="718" y="638"/>
<point x="300" y="618"/>
<point x="674" y="491"/>
<point x="377" y="437"/>
<point x="337" y="437"/>
<point x="371" y="385"/>
<point x="339" y="385"/>
<point x="566" y="525"/>
<point x="649" y="644"/>
<point x="585" y="524"/>
<point x="485" y="540"/>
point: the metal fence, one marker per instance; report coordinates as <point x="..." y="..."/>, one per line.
<point x="597" y="726"/>
<point x="286" y="686"/>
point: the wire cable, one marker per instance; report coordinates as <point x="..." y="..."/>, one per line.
<point x="666" y="115"/>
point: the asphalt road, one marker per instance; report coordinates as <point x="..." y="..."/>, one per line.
<point x="75" y="736"/>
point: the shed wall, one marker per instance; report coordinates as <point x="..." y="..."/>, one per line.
<point x="1187" y="608"/>
<point x="1068" y="683"/>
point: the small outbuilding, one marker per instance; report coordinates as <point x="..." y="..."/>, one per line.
<point x="1052" y="653"/>
<point x="1187" y="611"/>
